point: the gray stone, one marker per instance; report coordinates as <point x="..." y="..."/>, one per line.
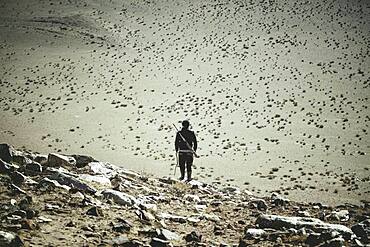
<point x="17" y="178"/>
<point x="193" y="237"/>
<point x="260" y="204"/>
<point x="82" y="160"/>
<point x="170" y="236"/>
<point x="56" y="160"/>
<point x="362" y="230"/>
<point x="94" y="211"/>
<point x="10" y="239"/>
<point x="171" y="217"/>
<point x="122" y="225"/>
<point x="278" y="200"/>
<point x="6" y="168"/>
<point x="41" y="159"/>
<point x="72" y="182"/>
<point x="282" y="222"/>
<point x="253" y="233"/>
<point x="6" y="152"/>
<point x="52" y="183"/>
<point x="119" y="197"/>
<point x="157" y="242"/>
<point x="21" y="159"/>
<point x="33" y="168"/>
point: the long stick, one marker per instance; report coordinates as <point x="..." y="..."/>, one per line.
<point x="187" y="144"/>
<point x="177" y="163"/>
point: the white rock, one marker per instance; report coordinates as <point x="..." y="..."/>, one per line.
<point x="42" y="219"/>
<point x="100" y="179"/>
<point x="168" y="235"/>
<point x="342" y="215"/>
<point x="102" y="169"/>
<point x="68" y="180"/>
<point x="280" y="222"/>
<point x="119" y="197"/>
<point x="255" y="233"/>
<point x="200" y="207"/>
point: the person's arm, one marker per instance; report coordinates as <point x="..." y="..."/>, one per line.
<point x="195" y="142"/>
<point x="177" y="140"/>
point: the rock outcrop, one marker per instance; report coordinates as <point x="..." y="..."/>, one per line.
<point x="75" y="200"/>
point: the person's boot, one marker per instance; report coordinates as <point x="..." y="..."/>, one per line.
<point x="182" y="171"/>
<point x="189" y="176"/>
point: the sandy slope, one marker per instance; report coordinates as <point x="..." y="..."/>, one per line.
<point x="277" y="91"/>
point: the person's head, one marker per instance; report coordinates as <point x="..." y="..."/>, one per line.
<point x="185" y="124"/>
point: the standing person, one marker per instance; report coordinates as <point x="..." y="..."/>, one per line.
<point x="186" y="145"/>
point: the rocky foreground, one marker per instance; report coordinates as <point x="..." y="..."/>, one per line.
<point x="74" y="200"/>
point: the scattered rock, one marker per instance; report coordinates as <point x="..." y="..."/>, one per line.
<point x="99" y="179"/>
<point x="17" y="178"/>
<point x="70" y="181"/>
<point x="260" y="204"/>
<point x="82" y="160"/>
<point x="362" y="230"/>
<point x="193" y="237"/>
<point x="174" y="218"/>
<point x="122" y="225"/>
<point x="253" y="233"/>
<point x="48" y="183"/>
<point x="56" y="160"/>
<point x="278" y="200"/>
<point x="157" y="242"/>
<point x="342" y="215"/>
<point x="282" y="222"/>
<point x="144" y="216"/>
<point x="94" y="211"/>
<point x="6" y="152"/>
<point x="33" y="168"/>
<point x="168" y="235"/>
<point x="41" y="159"/>
<point x="191" y="198"/>
<point x="119" y="197"/>
<point x="10" y="239"/>
<point x="6" y="168"/>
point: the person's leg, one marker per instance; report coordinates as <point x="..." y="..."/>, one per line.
<point x="189" y="163"/>
<point x="182" y="160"/>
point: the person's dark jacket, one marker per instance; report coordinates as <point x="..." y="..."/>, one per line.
<point x="189" y="137"/>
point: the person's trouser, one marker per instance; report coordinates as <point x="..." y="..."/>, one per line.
<point x="185" y="159"/>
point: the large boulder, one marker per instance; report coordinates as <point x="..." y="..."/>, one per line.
<point x="72" y="182"/>
<point x="57" y="160"/>
<point x="283" y="222"/>
<point x="6" y="152"/>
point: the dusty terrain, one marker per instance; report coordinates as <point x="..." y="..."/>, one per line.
<point x="277" y="91"/>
